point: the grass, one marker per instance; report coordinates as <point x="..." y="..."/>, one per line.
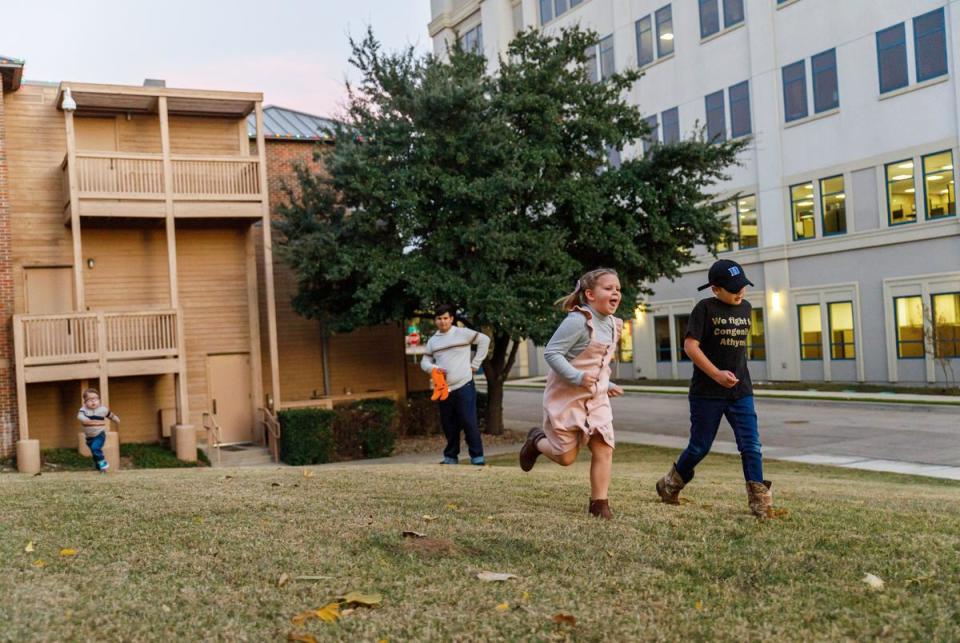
<point x="196" y="554"/>
<point x="132" y="456"/>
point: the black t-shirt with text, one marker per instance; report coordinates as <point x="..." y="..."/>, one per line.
<point x="722" y="331"/>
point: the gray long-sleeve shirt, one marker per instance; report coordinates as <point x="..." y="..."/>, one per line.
<point x="571" y="338"/>
<point x="451" y="352"/>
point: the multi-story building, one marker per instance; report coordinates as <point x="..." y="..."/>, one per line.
<point x="846" y="218"/>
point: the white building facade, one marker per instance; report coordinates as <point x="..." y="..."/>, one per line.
<point x="847" y="221"/>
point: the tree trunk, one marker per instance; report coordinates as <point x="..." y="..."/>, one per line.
<point x="497" y="367"/>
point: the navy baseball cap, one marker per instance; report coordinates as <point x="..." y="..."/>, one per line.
<point x="728" y="275"/>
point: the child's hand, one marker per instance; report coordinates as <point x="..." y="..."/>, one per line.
<point x="588" y="381"/>
<point x="726" y="379"/>
<point x="614" y="390"/>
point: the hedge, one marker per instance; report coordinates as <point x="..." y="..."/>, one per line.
<point x="306" y="436"/>
<point x="422" y="416"/>
<point x="364" y="429"/>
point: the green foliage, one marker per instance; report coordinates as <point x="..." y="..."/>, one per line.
<point x="306" y="436"/>
<point x="67" y="459"/>
<point x="421" y="416"/>
<point x="364" y="429"/>
<point x="140" y="456"/>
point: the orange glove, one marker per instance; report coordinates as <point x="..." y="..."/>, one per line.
<point x="440" y="389"/>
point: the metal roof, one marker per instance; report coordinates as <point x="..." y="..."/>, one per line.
<point x="283" y="123"/>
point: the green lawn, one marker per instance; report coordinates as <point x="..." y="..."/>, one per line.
<point x="196" y="554"/>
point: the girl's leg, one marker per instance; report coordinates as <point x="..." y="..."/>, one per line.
<point x="564" y="458"/>
<point x="601" y="467"/>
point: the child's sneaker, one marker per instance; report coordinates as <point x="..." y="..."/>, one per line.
<point x="479" y="461"/>
<point x="103" y="466"/>
<point x="449" y="461"/>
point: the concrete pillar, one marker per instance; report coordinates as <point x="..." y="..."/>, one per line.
<point x="186" y="442"/>
<point x="28" y="456"/>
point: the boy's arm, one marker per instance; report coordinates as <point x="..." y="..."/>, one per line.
<point x="692" y="348"/>
<point x="426" y="361"/>
<point x="113" y="416"/>
<point x="483" y="345"/>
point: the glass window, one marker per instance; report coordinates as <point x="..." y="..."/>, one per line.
<point x="739" y="109"/>
<point x="840" y="315"/>
<point x="716" y="118"/>
<point x="546" y="11"/>
<point x="811" y="331"/>
<point x="938" y="185"/>
<point x="650" y="139"/>
<point x="823" y="67"/>
<point x="901" y="200"/>
<point x="670" y="123"/>
<point x="680" y="324"/>
<point x="592" y="72"/>
<point x="930" y="45"/>
<point x="726" y="241"/>
<point x="644" y="41"/>
<point x="756" y="345"/>
<point x="517" y="17"/>
<point x="559" y="7"/>
<point x="625" y="349"/>
<point x="709" y="18"/>
<point x="833" y="201"/>
<point x="732" y="12"/>
<point x="946" y="325"/>
<point x="747" y="222"/>
<point x="908" y="312"/>
<point x="607" y="68"/>
<point x="892" y="58"/>
<point x="472" y="41"/>
<point x="664" y="18"/>
<point x="613" y="156"/>
<point x="794" y="91"/>
<point x="661" y="331"/>
<point x="574" y="3"/>
<point x="801" y="205"/>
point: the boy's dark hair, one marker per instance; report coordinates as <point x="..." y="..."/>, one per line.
<point x="88" y="392"/>
<point x="443" y="309"/>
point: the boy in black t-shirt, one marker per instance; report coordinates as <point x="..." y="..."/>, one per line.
<point x="716" y="341"/>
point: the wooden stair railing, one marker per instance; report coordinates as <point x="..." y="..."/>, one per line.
<point x="272" y="425"/>
<point x="214" y="440"/>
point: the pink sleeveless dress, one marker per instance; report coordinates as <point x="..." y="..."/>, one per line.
<point x="572" y="414"/>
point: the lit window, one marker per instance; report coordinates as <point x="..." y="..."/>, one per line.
<point x="670" y="123"/>
<point x="801" y="205"/>
<point x="946" y="325"/>
<point x="840" y="315"/>
<point x="908" y="312"/>
<point x="756" y="346"/>
<point x="811" y="331"/>
<point x="794" y="91"/>
<point x="716" y="118"/>
<point x="823" y="67"/>
<point x="664" y="17"/>
<point x="833" y="202"/>
<point x="901" y="200"/>
<point x="644" y="41"/>
<point x="625" y="349"/>
<point x="938" y="185"/>
<point x="661" y="332"/>
<point x="747" y="222"/>
<point x="930" y="45"/>
<point x="725" y="244"/>
<point x="680" y="325"/>
<point x="892" y="58"/>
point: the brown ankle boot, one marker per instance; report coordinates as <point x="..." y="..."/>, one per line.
<point x="760" y="499"/>
<point x="529" y="451"/>
<point x="670" y="485"/>
<point x="601" y="509"/>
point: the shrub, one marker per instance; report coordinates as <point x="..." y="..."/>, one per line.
<point x="421" y="415"/>
<point x="366" y="429"/>
<point x="306" y="436"/>
<point x="156" y="456"/>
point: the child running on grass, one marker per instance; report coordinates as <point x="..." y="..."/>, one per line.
<point x="93" y="416"/>
<point x="576" y="400"/>
<point x="716" y="341"/>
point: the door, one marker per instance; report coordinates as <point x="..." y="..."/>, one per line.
<point x="230" y="397"/>
<point x="49" y="290"/>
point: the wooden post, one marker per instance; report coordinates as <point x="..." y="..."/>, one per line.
<point x="268" y="261"/>
<point x="102" y="352"/>
<point x="168" y="199"/>
<point x="78" y="295"/>
<point x="180" y="378"/>
<point x="253" y="307"/>
<point x="21" y="379"/>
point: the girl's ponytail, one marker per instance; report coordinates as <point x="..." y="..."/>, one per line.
<point x="584" y="283"/>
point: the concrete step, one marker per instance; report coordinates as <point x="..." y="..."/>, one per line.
<point x="240" y="456"/>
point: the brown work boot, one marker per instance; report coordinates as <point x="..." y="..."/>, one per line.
<point x="529" y="451"/>
<point x="670" y="485"/>
<point x="760" y="499"/>
<point x="601" y="509"/>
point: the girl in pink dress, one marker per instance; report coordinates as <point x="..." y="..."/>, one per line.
<point x="576" y="400"/>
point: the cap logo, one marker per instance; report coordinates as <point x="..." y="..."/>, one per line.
<point x="733" y="270"/>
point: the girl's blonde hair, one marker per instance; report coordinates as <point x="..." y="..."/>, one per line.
<point x="586" y="282"/>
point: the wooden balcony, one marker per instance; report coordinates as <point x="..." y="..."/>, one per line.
<point x="133" y="185"/>
<point x="73" y="346"/>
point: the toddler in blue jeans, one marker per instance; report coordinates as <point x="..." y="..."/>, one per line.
<point x="93" y="416"/>
<point x="716" y="342"/>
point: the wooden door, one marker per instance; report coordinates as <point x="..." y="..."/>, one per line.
<point x="48" y="290"/>
<point x="230" y="398"/>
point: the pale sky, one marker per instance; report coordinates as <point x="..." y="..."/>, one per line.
<point x="294" y="51"/>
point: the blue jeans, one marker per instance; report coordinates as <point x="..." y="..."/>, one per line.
<point x="95" y="444"/>
<point x="705" y="414"/>
<point x="459" y="413"/>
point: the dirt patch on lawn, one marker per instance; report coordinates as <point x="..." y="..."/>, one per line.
<point x="429" y="547"/>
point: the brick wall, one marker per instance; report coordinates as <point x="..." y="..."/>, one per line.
<point x="8" y="390"/>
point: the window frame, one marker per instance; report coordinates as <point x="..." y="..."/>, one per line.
<point x="637" y="34"/>
<point x="654" y="139"/>
<point x="681" y="335"/>
<point x="657" y="22"/>
<point x="886" y="187"/>
<point x="673" y="111"/>
<point x="853" y="321"/>
<point x="763" y="347"/>
<point x="789" y="117"/>
<point x="626" y="333"/>
<point x="933" y="319"/>
<point x="836" y="79"/>
<point x="542" y="4"/>
<point x="916" y="44"/>
<point x="819" y="344"/>
<point x="744" y="99"/>
<point x="600" y="54"/>
<point x="722" y="136"/>
<point x="743" y="16"/>
<point x="896" y="330"/>
<point x="793" y="202"/>
<point x="659" y="350"/>
<point x="716" y="5"/>
<point x="901" y="44"/>
<point x="736" y="206"/>
<point x="923" y="178"/>
<point x="823" y="208"/>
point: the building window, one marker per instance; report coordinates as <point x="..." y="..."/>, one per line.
<point x="472" y="41"/>
<point x="725" y="244"/>
<point x="892" y="58"/>
<point x="592" y="72"/>
<point x="546" y="11"/>
<point x="811" y="332"/>
<point x="801" y="205"/>
<point x="716" y="118"/>
<point x="840" y="317"/>
<point x="607" y="67"/>
<point x="664" y="18"/>
<point x="901" y="200"/>
<point x="651" y="138"/>
<point x="826" y="94"/>
<point x="946" y="325"/>
<point x="908" y="313"/>
<point x="680" y="325"/>
<point x="625" y="348"/>
<point x="756" y="346"/>
<point x="938" y="185"/>
<point x="670" y="124"/>
<point x="732" y="12"/>
<point x="739" y="109"/>
<point x="930" y="45"/>
<point x="560" y="7"/>
<point x="747" y="222"/>
<point x="661" y="332"/>
<point x="794" y="91"/>
<point x="644" y="41"/>
<point x="833" y="201"/>
<point x="709" y="18"/>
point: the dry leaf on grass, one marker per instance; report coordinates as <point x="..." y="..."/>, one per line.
<point x="412" y="534"/>
<point x="67" y="551"/>
<point x="40" y="563"/>
<point x="307" y="474"/>
<point x="365" y="600"/>
<point x="874" y="582"/>
<point x="698" y="605"/>
<point x="302" y="638"/>
<point x="452" y="507"/>
<point x="492" y="577"/>
<point x="283" y="580"/>
<point x="502" y="607"/>
<point x="29" y="547"/>
<point x="165" y="608"/>
<point x="525" y="597"/>
<point x="312" y="577"/>
<point x="328" y="614"/>
<point x="428" y="518"/>
<point x="564" y="619"/>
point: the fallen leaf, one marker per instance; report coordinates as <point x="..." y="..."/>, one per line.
<point x="303" y="617"/>
<point x="413" y="534"/>
<point x="39" y="563"/>
<point x="874" y="582"/>
<point x="610" y="554"/>
<point x="451" y="506"/>
<point x="329" y="613"/>
<point x="564" y="619"/>
<point x="491" y="577"/>
<point x="307" y="473"/>
<point x="779" y="512"/>
<point x="312" y="577"/>
<point x="67" y="551"/>
<point x="283" y="580"/>
<point x="525" y="597"/>
<point x="274" y="484"/>
<point x="366" y="600"/>
<point x="198" y="519"/>
<point x="686" y="501"/>
<point x="227" y="477"/>
<point x="348" y="611"/>
<point x="29" y="547"/>
<point x="698" y="605"/>
<point x="428" y="518"/>
<point x="165" y="608"/>
<point x="502" y="607"/>
<point x="301" y="638"/>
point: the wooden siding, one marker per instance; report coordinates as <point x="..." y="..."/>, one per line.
<point x="130" y="268"/>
